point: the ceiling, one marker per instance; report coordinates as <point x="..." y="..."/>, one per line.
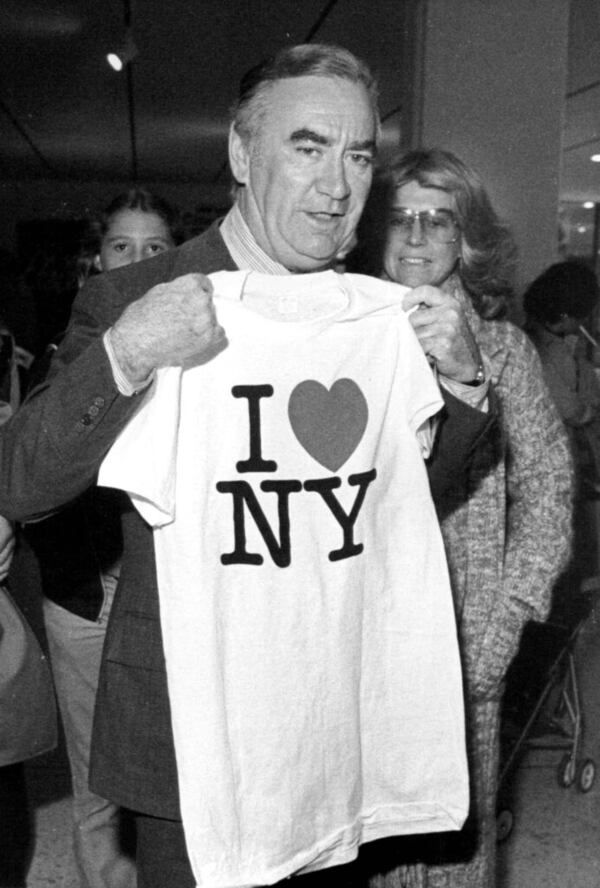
<point x="64" y="112"/>
<point x="68" y="111"/>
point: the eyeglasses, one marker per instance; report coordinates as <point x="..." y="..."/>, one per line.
<point x="439" y="226"/>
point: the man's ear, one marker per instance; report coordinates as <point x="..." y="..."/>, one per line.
<point x="96" y="262"/>
<point x="239" y="156"/>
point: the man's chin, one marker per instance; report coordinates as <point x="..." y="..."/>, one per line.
<point x="301" y="264"/>
<point x="311" y="267"/>
<point x="315" y="258"/>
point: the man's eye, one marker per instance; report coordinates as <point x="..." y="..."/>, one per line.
<point x="156" y="248"/>
<point x="362" y="160"/>
<point x="307" y="150"/>
<point x="438" y="221"/>
<point x="120" y="248"/>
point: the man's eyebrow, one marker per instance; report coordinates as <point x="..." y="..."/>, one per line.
<point x="307" y="135"/>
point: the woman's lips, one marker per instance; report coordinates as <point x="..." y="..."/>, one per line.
<point x="414" y="260"/>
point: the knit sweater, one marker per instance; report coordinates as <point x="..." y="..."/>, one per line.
<point x="509" y="538"/>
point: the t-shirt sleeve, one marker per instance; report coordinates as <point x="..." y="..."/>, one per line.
<point x="420" y="391"/>
<point x="143" y="458"/>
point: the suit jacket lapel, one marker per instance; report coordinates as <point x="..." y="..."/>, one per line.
<point x="204" y="254"/>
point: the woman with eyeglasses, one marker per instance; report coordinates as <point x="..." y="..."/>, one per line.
<point x="507" y="526"/>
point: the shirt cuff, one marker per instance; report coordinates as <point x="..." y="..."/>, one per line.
<point x="474" y="396"/>
<point x="124" y="386"/>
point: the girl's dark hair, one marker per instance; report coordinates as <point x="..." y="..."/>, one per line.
<point x="565" y="288"/>
<point x="147" y="202"/>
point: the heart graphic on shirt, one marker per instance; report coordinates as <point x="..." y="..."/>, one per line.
<point x="328" y="423"/>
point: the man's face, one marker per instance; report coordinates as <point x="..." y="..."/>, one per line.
<point x="307" y="171"/>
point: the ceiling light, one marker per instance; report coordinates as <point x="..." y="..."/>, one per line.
<point x="123" y="53"/>
<point x="595" y="158"/>
<point x="588" y="205"/>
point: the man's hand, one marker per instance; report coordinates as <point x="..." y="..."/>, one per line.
<point x="172" y="325"/>
<point x="7" y="547"/>
<point x="444" y="333"/>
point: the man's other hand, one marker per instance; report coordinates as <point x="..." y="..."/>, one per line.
<point x="172" y="325"/>
<point x="442" y="329"/>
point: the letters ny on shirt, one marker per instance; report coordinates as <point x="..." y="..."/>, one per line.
<point x="328" y="424"/>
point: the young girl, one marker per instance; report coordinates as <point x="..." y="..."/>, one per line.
<point x="136" y="225"/>
<point x="79" y="555"/>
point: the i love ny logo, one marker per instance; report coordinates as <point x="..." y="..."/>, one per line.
<point x="329" y="424"/>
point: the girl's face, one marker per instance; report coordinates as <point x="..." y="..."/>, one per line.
<point x="132" y="235"/>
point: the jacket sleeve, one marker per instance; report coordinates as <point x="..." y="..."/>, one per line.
<point x="460" y="429"/>
<point x="51" y="449"/>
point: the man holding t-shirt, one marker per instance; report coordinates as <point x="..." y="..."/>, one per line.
<point x="301" y="150"/>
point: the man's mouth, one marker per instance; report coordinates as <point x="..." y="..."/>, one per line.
<point x="323" y="215"/>
<point x="321" y="221"/>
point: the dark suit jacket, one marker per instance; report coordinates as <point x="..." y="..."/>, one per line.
<point x="51" y="453"/>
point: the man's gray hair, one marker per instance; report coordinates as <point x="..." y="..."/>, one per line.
<point x="304" y="60"/>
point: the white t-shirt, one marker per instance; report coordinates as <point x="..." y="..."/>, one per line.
<point x="307" y="619"/>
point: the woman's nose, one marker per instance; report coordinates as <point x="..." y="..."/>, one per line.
<point x="416" y="233"/>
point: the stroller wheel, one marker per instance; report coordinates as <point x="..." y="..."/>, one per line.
<point x="566" y="771"/>
<point x="586" y="775"/>
<point x="504" y="824"/>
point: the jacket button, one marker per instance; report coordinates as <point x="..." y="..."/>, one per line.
<point x="99" y="402"/>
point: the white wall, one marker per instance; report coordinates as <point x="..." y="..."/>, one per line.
<point x="493" y="82"/>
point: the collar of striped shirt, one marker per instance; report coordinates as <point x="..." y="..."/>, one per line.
<point x="244" y="250"/>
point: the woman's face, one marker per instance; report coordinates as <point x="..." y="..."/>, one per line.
<point x="411" y="257"/>
<point x="132" y="235"/>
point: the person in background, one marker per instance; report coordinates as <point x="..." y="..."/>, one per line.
<point x="558" y="304"/>
<point x="19" y="697"/>
<point x="27" y="707"/>
<point x="302" y="144"/>
<point x="14" y="822"/>
<point x="507" y="531"/>
<point x="79" y="552"/>
<point x="18" y="311"/>
<point x="136" y="225"/>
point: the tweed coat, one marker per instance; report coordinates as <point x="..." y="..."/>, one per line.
<point x="510" y="537"/>
<point x="507" y="539"/>
<point x="51" y="452"/>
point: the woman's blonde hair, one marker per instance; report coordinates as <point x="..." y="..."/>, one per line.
<point x="487" y="249"/>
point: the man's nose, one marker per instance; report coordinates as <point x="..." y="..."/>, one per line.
<point x="332" y="180"/>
